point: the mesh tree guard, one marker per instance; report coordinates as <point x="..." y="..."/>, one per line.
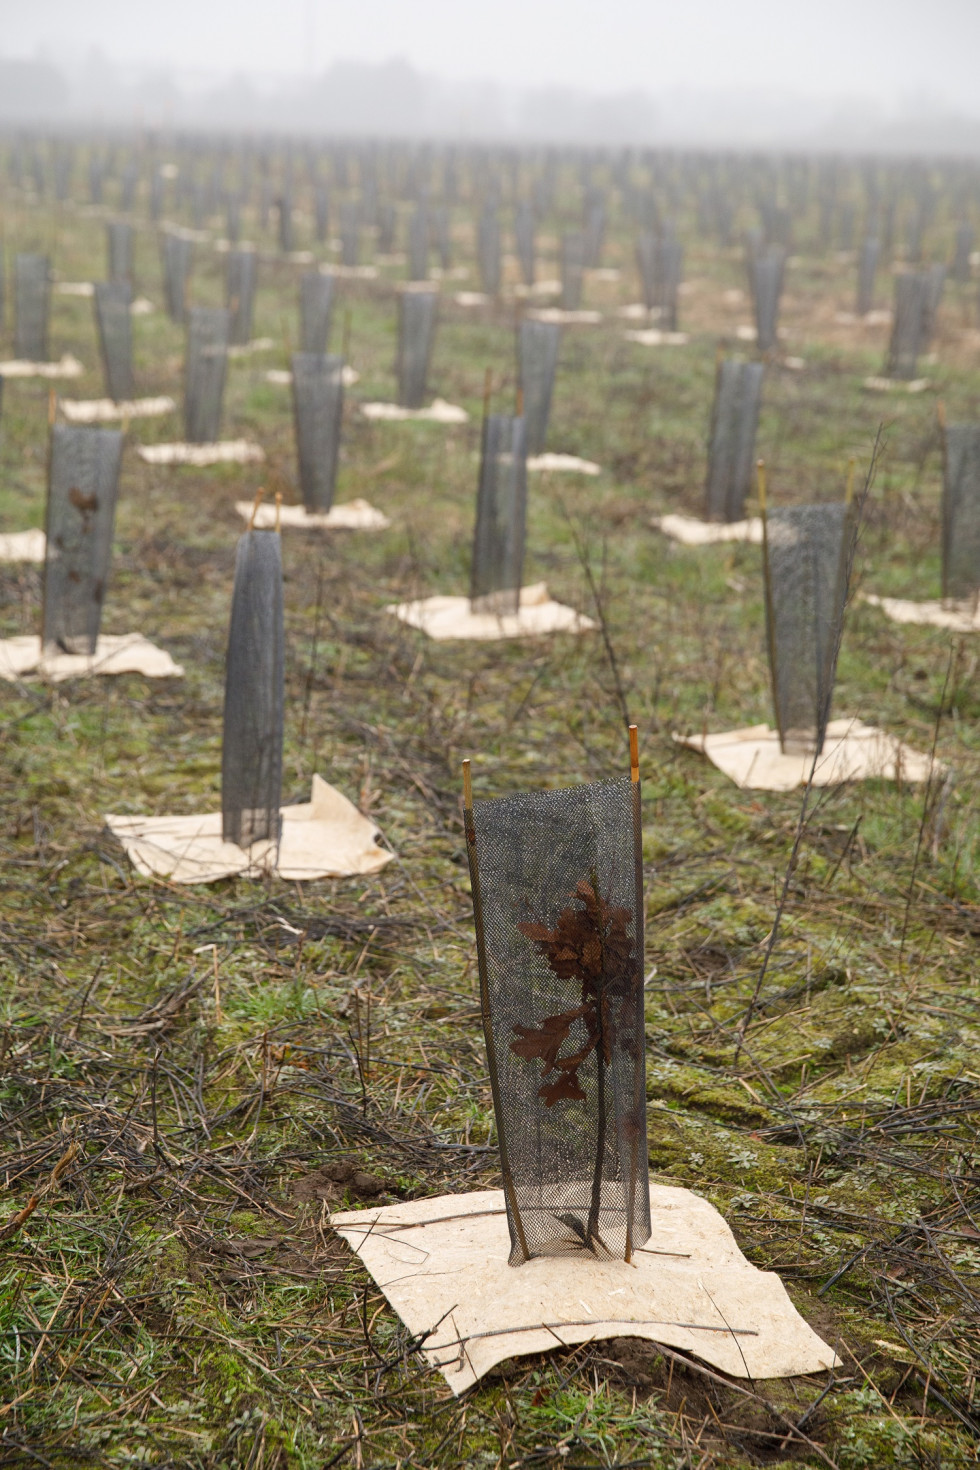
<point x="488" y="250"/>
<point x="321" y="213"/>
<point x="442" y="236"/>
<point x="537" y="360"/>
<point x="251" y="750"/>
<point x="233" y="218"/>
<point x="646" y="263"/>
<point x="83" y="481"/>
<point x="315" y="310"/>
<point x="867" y="267"/>
<point x="524" y="240"/>
<point x="935" y="283"/>
<point x="660" y="261"/>
<point x="318" y="405"/>
<point x="501" y="507"/>
<point x="911" y="324"/>
<point x="284" y="208"/>
<point x="32" y="293"/>
<point x="350" y="233"/>
<point x="205" y="367"/>
<point x="241" y="272"/>
<point x="387" y="225"/>
<point x="416" y="330"/>
<point x="731" y="455"/>
<point x="806" y="553"/>
<point x="557" y="883"/>
<point x="176" y="250"/>
<point x="572" y="270"/>
<point x="962" y="252"/>
<point x="119" y="242"/>
<point x="418" y="245"/>
<point x="113" y="300"/>
<point x="767" y="271"/>
<point x="961" y="512"/>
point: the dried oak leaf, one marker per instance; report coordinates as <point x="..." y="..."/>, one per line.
<point x="545" y="1041"/>
<point x="565" y="1089"/>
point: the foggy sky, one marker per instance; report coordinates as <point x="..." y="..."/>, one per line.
<point x="883" y="51"/>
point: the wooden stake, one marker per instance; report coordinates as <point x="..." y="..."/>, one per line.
<point x="941" y="414"/>
<point x="849" y="491"/>
<point x="52" y="407"/>
<point x="634" y="754"/>
<point x="278" y="509"/>
<point x="259" y="497"/>
<point x="467" y="787"/>
<point x="487" y="388"/>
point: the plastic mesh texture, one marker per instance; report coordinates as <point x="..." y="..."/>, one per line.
<point x="537" y="360"/>
<point x="284" y="209"/>
<point x="442" y="236"/>
<point x="417" y="312"/>
<point x="321" y="213"/>
<point x="911" y="324"/>
<point x="387" y="224"/>
<point x="594" y="232"/>
<point x="767" y="270"/>
<point x="206" y="364"/>
<point x="572" y="270"/>
<point x="867" y="267"/>
<point x="318" y="405"/>
<point x="251" y="751"/>
<point x="350" y="233"/>
<point x="119" y="243"/>
<point x="524" y="240"/>
<point x="83" y="483"/>
<point x="558" y="902"/>
<point x="646" y="263"/>
<point x="315" y="310"/>
<point x="32" y="294"/>
<point x="660" y="263"/>
<point x="734" y="422"/>
<point x="113" y="300"/>
<point x="176" y="251"/>
<point x="418" y="246"/>
<point x="501" y="510"/>
<point x="488" y="250"/>
<point x="807" y="551"/>
<point x="241" y="271"/>
<point x="961" y="512"/>
<point x="962" y="252"/>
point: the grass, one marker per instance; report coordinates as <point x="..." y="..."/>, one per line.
<point x="224" y="1065"/>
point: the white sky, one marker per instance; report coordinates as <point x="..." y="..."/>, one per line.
<point x="882" y="50"/>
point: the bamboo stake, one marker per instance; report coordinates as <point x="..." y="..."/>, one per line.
<point x="259" y="497"/>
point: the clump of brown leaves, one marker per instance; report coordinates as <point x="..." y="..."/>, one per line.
<point x="589" y="943"/>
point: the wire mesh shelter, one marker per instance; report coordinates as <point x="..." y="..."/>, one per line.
<point x="660" y="261"/>
<point x="83" y="483"/>
<point x="441" y="231"/>
<point x="241" y="273"/>
<point x="961" y="512"/>
<point x="417" y="311"/>
<point x="501" y="508"/>
<point x="316" y="295"/>
<point x="962" y="252"/>
<point x="557" y="883"/>
<point x="321" y="213"/>
<point x="594" y="229"/>
<point x="350" y="233"/>
<point x="488" y="249"/>
<point x="284" y="209"/>
<point x="177" y="252"/>
<point x="251" y="750"/>
<point x="731" y="454"/>
<point x="418" y="245"/>
<point x="867" y="267"/>
<point x="32" y="299"/>
<point x="318" y="405"/>
<point x="537" y="361"/>
<point x="524" y="240"/>
<point x="767" y="270"/>
<point x="113" y="302"/>
<point x="206" y="364"/>
<point x="572" y="270"/>
<point x="807" y="555"/>
<point x="911" y="324"/>
<point x="119" y="244"/>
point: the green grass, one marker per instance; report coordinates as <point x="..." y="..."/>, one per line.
<point x="177" y="1297"/>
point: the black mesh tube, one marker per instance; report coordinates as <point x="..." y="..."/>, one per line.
<point x="83" y="483"/>
<point x="321" y="213"/>
<point x="316" y="295"/>
<point x="961" y="512"/>
<point x="241" y="271"/>
<point x="251" y="751"/>
<point x="731" y="455"/>
<point x="176" y="251"/>
<point x="488" y="250"/>
<point x="807" y="553"/>
<point x="417" y="312"/>
<point x="558" y="902"/>
<point x="572" y="270"/>
<point x="418" y="245"/>
<point x="442" y="236"/>
<point x="501" y="509"/>
<point x="537" y="360"/>
<point x="524" y="240"/>
<point x="318" y="405"/>
<point x="962" y="251"/>
<point x="113" y="300"/>
<point x="594" y="232"/>
<point x="911" y="323"/>
<point x="32" y="294"/>
<point x="867" y="267"/>
<point x="350" y="233"/>
<point x="766" y="272"/>
<point x="646" y="263"/>
<point x="284" y="209"/>
<point x="119" y="243"/>
<point x="205" y="368"/>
